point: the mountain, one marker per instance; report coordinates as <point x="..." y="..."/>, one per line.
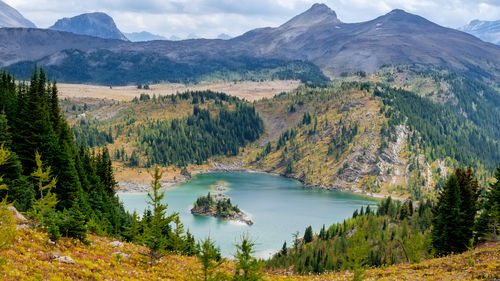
<point x="398" y="37"/>
<point x="316" y="36"/>
<point x="143" y="36"/>
<point x="10" y="17"/>
<point x="224" y="36"/>
<point x="488" y="31"/>
<point x="92" y="24"/>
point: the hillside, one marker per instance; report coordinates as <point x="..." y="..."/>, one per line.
<point x="92" y="24"/>
<point x="299" y="49"/>
<point x="100" y="260"/>
<point x="356" y="136"/>
<point x="10" y="17"/>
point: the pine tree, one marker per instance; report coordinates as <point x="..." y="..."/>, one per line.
<point x="284" y="249"/>
<point x="488" y="223"/>
<point x="210" y="259"/>
<point x="7" y="224"/>
<point x="247" y="267"/>
<point x="446" y="233"/>
<point x="308" y="235"/>
<point x="20" y="190"/>
<point x="469" y="194"/>
<point x="155" y="239"/>
<point x="76" y="223"/>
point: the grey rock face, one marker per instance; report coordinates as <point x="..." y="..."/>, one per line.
<point x="92" y="24"/>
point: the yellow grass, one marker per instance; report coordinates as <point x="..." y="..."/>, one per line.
<point x="29" y="258"/>
<point x="248" y="90"/>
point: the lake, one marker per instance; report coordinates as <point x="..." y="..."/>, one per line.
<point x="277" y="205"/>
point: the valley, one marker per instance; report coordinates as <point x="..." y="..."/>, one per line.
<point x="367" y="150"/>
<point x="247" y="90"/>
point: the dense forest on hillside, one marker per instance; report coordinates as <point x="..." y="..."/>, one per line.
<point x="83" y="179"/>
<point x="217" y="124"/>
<point x="439" y="131"/>
<point x="65" y="188"/>
<point x="129" y="67"/>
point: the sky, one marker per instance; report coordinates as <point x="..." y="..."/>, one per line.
<point x="209" y="18"/>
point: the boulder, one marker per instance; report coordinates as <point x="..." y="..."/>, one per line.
<point x="123" y="255"/>
<point x="116" y="244"/>
<point x="54" y="255"/>
<point x="20" y="219"/>
<point x="65" y="259"/>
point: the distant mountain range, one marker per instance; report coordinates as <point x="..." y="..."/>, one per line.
<point x="10" y="17"/>
<point x="488" y="31"/>
<point x="315" y="38"/>
<point x="92" y="24"/>
<point x="143" y="36"/>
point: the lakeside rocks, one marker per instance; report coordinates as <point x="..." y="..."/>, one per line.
<point x="143" y="187"/>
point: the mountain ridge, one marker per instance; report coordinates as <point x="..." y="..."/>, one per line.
<point x="10" y="17"/>
<point x="396" y="38"/>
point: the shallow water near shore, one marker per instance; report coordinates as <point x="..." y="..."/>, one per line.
<point x="277" y="205"/>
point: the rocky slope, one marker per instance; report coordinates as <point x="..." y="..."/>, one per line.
<point x="10" y="17"/>
<point x="93" y="24"/>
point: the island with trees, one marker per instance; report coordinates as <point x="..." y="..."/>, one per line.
<point x="219" y="205"/>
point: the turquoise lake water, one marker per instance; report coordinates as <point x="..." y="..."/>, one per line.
<point x="277" y="205"/>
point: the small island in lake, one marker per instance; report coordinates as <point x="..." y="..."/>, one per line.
<point x="219" y="206"/>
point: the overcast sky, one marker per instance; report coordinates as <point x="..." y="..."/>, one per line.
<point x="208" y="18"/>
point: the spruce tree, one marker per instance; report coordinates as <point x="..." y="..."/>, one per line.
<point x="308" y="235"/>
<point x="7" y="223"/>
<point x="469" y="195"/>
<point x="247" y="267"/>
<point x="488" y="223"/>
<point x="76" y="223"/>
<point x="447" y="223"/>
<point x="210" y="259"/>
<point x="155" y="239"/>
<point x="20" y="189"/>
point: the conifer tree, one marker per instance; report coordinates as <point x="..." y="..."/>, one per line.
<point x="20" y="190"/>
<point x="247" y="267"/>
<point x="7" y="224"/>
<point x="211" y="259"/>
<point x="45" y="183"/>
<point x="488" y="223"/>
<point x="155" y="239"/>
<point x="76" y="223"/>
<point x="308" y="235"/>
<point x="469" y="195"/>
<point x="447" y="233"/>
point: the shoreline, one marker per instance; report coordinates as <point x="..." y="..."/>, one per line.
<point x="145" y="187"/>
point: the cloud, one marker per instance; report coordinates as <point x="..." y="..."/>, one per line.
<point x="208" y="18"/>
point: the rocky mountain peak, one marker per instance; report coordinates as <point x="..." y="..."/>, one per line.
<point x="94" y="24"/>
<point x="317" y="14"/>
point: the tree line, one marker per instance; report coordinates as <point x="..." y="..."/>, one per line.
<point x="397" y="232"/>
